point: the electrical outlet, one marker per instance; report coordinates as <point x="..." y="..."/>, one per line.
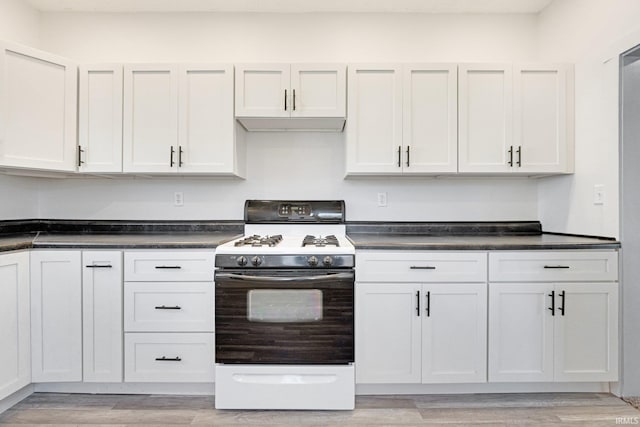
<point x="178" y="198"/>
<point x="598" y="194"/>
<point x="382" y="199"/>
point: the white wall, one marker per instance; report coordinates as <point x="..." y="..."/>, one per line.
<point x="586" y="32"/>
<point x="292" y="165"/>
<point x="272" y="173"/>
<point x="19" y="23"/>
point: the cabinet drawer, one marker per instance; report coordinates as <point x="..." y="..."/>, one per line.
<point x="421" y="267"/>
<point x="168" y="358"/>
<point x="168" y="307"/>
<point x="160" y="266"/>
<point x="553" y="266"/>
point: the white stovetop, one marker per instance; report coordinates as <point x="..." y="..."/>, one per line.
<point x="291" y="244"/>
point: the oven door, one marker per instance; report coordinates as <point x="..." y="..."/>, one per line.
<point x="284" y="316"/>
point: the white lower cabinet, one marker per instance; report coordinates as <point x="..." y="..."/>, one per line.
<point x="553" y="316"/>
<point x="169" y="357"/>
<point x="15" y="357"/>
<point x="387" y="329"/>
<point x="412" y="333"/>
<point x="454" y="333"/>
<point x="56" y="316"/>
<point x="168" y="316"/>
<point x="426" y="326"/>
<point x="102" y="316"/>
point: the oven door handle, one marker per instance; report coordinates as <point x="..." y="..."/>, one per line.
<point x="298" y="279"/>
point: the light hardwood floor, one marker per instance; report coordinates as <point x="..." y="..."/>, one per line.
<point x="540" y="409"/>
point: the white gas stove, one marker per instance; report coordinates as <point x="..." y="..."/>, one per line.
<point x="284" y="310"/>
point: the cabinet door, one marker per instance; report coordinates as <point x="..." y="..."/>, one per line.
<point x="541" y="137"/>
<point x="485" y="118"/>
<point x="150" y="124"/>
<point x="262" y="90"/>
<point x="100" y="118"/>
<point x="102" y="316"/>
<point x="15" y="357"/>
<point x="318" y="90"/>
<point x="37" y="109"/>
<point x="520" y="332"/>
<point x="586" y="332"/>
<point x="387" y="333"/>
<point x="454" y="333"/>
<point x="374" y="128"/>
<point x="430" y="118"/>
<point x="206" y="130"/>
<point x="56" y="316"/>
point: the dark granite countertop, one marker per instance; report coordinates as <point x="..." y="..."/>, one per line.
<point x="513" y="235"/>
<point x="85" y="234"/>
<point x="64" y="234"/>
<point x="546" y="241"/>
<point x="16" y="242"/>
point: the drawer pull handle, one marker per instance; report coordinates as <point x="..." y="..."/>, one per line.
<point x="561" y="308"/>
<point x="168" y="359"/>
<point x="164" y="307"/>
<point x="420" y="267"/>
<point x="99" y="266"/>
<point x="553" y="303"/>
<point x="557" y="266"/>
<point x="418" y="303"/>
<point x="168" y="267"/>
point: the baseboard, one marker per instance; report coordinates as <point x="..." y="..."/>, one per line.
<point x="127" y="388"/>
<point x="368" y="389"/>
<point x="16" y="397"/>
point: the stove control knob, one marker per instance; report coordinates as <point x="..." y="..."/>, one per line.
<point x="256" y="261"/>
<point x="242" y="261"/>
<point x="327" y="261"/>
<point x="312" y="261"/>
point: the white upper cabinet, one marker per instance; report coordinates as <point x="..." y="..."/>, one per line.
<point x="37" y="109"/>
<point x="262" y="90"/>
<point x="291" y="96"/>
<point x="180" y="119"/>
<point x="542" y="113"/>
<point x="402" y="120"/>
<point x="150" y="118"/>
<point x="374" y="128"/>
<point x="430" y="118"/>
<point x="485" y="114"/>
<point x="516" y="119"/>
<point x="208" y="141"/>
<point x="100" y="118"/>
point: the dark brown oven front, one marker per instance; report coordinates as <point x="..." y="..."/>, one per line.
<point x="284" y="316"/>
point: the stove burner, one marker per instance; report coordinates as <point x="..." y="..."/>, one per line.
<point x="257" y="241"/>
<point x="320" y="242"/>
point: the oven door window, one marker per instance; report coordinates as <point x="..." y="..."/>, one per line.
<point x="279" y="305"/>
